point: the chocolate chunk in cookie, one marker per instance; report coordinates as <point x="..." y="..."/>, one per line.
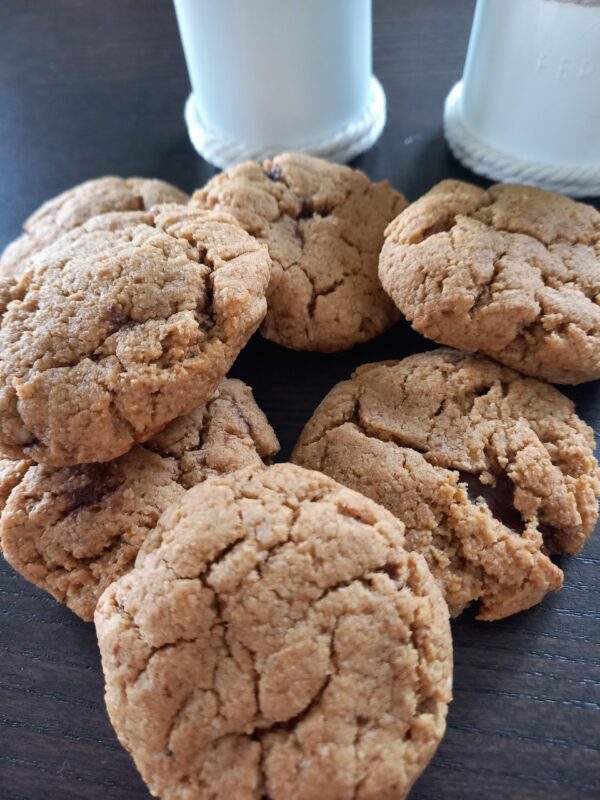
<point x="489" y="471"/>
<point x="72" y="531"/>
<point x="122" y="325"/>
<point x="323" y="224"/>
<point x="277" y="641"/>
<point x="512" y="272"/>
<point x="75" y="206"/>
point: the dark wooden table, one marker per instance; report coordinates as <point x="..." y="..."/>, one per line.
<point x="93" y="88"/>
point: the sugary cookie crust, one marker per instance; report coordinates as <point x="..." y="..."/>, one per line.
<point x="72" y="531"/>
<point x="512" y="272"/>
<point x="73" y="208"/>
<point x="121" y="326"/>
<point x="324" y="226"/>
<point x="429" y="435"/>
<point x="277" y="642"/>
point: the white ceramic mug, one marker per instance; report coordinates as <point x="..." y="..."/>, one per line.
<point x="273" y="75"/>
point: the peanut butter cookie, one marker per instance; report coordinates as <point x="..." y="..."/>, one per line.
<point x="324" y="226"/>
<point x="122" y="325"/>
<point x="11" y="475"/>
<point x="512" y="272"/>
<point x="72" y="531"/>
<point x="277" y="641"/>
<point x="75" y="206"/>
<point x="490" y="472"/>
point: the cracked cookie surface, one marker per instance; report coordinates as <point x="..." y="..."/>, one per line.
<point x="490" y="472"/>
<point x="277" y="641"/>
<point x="323" y="224"/>
<point x="512" y="272"/>
<point x="73" y="208"/>
<point x="73" y="531"/>
<point x="122" y="325"/>
<point x="11" y="475"/>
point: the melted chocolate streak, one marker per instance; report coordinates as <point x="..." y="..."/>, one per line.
<point x="500" y="501"/>
<point x="499" y="498"/>
<point x="99" y="481"/>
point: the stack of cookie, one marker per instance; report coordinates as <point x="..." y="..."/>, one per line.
<point x="282" y="631"/>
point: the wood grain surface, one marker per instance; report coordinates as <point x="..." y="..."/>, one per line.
<point x="89" y="88"/>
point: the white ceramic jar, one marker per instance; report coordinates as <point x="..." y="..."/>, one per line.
<point x="273" y="75"/>
<point x="528" y="106"/>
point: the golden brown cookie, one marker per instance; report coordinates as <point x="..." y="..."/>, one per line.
<point x="277" y="641"/>
<point x="11" y="475"/>
<point x="75" y="206"/>
<point x="512" y="272"/>
<point x="489" y="471"/>
<point x="324" y="226"/>
<point x="8" y="292"/>
<point x="121" y="326"/>
<point x="72" y="531"/>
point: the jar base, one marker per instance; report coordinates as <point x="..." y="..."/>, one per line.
<point x="342" y="146"/>
<point x="577" y="180"/>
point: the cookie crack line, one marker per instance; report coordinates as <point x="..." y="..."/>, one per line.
<point x="306" y="208"/>
<point x="55" y="568"/>
<point x="487" y="203"/>
<point x="446" y="516"/>
<point x="270" y="552"/>
<point x="316" y="294"/>
<point x="178" y="715"/>
<point x="464" y="481"/>
<point x="289" y="725"/>
<point x="446" y="223"/>
<point x="480" y="301"/>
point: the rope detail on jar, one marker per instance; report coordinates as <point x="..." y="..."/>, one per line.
<point x="576" y="180"/>
<point x="342" y="146"/>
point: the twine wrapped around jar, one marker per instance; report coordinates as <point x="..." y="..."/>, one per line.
<point x="275" y="75"/>
<point x="528" y="106"/>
